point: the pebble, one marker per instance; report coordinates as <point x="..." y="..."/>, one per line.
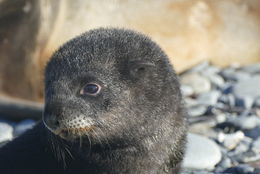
<point x="204" y="149"/>
<point x="209" y="98"/>
<point x="243" y="145"/>
<point x="225" y="163"/>
<point x="240" y="169"/>
<point x="252" y="69"/>
<point x="230" y="141"/>
<point x="197" y="110"/>
<point x="197" y="82"/>
<point x="204" y="128"/>
<point x="23" y="126"/>
<point x="256" y="145"/>
<point x="253" y="133"/>
<point x="248" y="88"/>
<point x="257" y="170"/>
<point x="247" y="122"/>
<point x="233" y="74"/>
<point x="6" y="132"/>
<point x="257" y="102"/>
<point x="216" y="80"/>
<point x="187" y="90"/>
<point x="200" y="67"/>
<point x="246" y="157"/>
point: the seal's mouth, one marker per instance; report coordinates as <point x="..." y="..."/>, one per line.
<point x="72" y="133"/>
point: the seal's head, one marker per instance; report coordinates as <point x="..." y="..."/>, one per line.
<point x="111" y="85"/>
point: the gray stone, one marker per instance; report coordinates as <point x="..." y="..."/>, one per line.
<point x="201" y="172"/>
<point x="225" y="163"/>
<point x="243" y="145"/>
<point x="200" y="67"/>
<point x="248" y="88"/>
<point x="216" y="80"/>
<point x="198" y="83"/>
<point x="241" y="75"/>
<point x="233" y="74"/>
<point x="189" y="102"/>
<point x="252" y="69"/>
<point x="248" y="102"/>
<point x="209" y="98"/>
<point x="211" y="70"/>
<point x="229" y="73"/>
<point x="186" y="90"/>
<point x="253" y="133"/>
<point x="256" y="145"/>
<point x="240" y="169"/>
<point x="6" y="132"/>
<point x="197" y="110"/>
<point x="204" y="128"/>
<point x="257" y="170"/>
<point x="257" y="103"/>
<point x="220" y="117"/>
<point x="246" y="157"/>
<point x="23" y="126"/>
<point x="202" y="153"/>
<point x="247" y="122"/>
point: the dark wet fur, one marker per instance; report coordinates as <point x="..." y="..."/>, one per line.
<point x="139" y="117"/>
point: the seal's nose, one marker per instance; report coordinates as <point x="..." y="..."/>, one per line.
<point x="51" y="116"/>
<point x="51" y="122"/>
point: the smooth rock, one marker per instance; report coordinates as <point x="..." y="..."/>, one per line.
<point x="240" y="169"/>
<point x="201" y="153"/>
<point x="233" y="74"/>
<point x="257" y="170"/>
<point x="247" y="122"/>
<point x="220" y="117"/>
<point x="209" y="98"/>
<point x="23" y="126"/>
<point x="225" y="163"/>
<point x="187" y="90"/>
<point x="256" y="146"/>
<point x="198" y="83"/>
<point x="229" y="74"/>
<point x="6" y="132"/>
<point x="216" y="80"/>
<point x="227" y="88"/>
<point x="252" y="69"/>
<point x="203" y="128"/>
<point x="257" y="103"/>
<point x="200" y="67"/>
<point x="230" y="141"/>
<point x="248" y="88"/>
<point x="246" y="157"/>
<point x="243" y="146"/>
<point x="253" y="133"/>
<point x="197" y="110"/>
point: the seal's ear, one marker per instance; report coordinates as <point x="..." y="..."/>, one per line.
<point x="140" y="68"/>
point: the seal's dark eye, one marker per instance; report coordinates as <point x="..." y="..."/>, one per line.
<point x="90" y="89"/>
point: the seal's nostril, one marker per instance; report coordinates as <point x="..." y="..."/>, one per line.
<point x="56" y="123"/>
<point x="51" y="122"/>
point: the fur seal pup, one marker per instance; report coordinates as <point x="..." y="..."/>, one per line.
<point x="112" y="105"/>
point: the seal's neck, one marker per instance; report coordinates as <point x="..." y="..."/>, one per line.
<point x="144" y="157"/>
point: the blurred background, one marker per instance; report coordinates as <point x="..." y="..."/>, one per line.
<point x="214" y="46"/>
<point x="190" y="31"/>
